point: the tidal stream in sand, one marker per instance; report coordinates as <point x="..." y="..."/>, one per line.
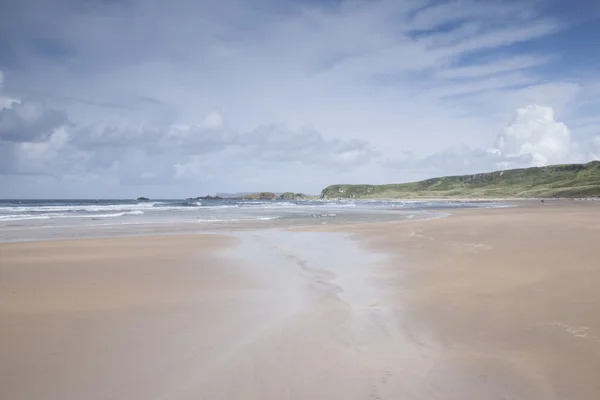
<point x="322" y="328"/>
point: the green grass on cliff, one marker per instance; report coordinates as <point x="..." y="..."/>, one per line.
<point x="569" y="180"/>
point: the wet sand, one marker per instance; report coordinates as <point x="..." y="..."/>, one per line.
<point x="486" y="304"/>
<point x="258" y="315"/>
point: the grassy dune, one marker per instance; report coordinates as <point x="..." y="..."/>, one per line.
<point x="569" y="180"/>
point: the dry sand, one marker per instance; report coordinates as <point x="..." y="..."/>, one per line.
<point x="486" y="304"/>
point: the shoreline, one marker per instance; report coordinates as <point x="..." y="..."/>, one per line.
<point x="205" y="220"/>
<point x="30" y="233"/>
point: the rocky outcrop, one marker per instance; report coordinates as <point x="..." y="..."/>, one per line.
<point x="204" y="198"/>
<point x="260" y="196"/>
<point x="143" y="199"/>
<point x="291" y="196"/>
<point x="287" y="196"/>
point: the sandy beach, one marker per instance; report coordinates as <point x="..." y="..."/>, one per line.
<point x="509" y="295"/>
<point x="485" y="304"/>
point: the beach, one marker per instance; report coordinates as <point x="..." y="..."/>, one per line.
<point x="487" y="303"/>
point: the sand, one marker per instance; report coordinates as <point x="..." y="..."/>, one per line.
<point x="511" y="296"/>
<point x="485" y="304"/>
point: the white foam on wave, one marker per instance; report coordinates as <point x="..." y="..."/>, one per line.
<point x="324" y="215"/>
<point x="25" y="217"/>
<point x="266" y="204"/>
<point x="341" y="205"/>
<point x="22" y="217"/>
<point x="83" y="208"/>
<point x="135" y="212"/>
<point x="237" y="219"/>
<point x="114" y="215"/>
<point x="221" y="206"/>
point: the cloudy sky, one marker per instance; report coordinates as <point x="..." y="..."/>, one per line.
<point x="122" y="98"/>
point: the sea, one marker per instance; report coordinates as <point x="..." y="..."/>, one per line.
<point x="51" y="219"/>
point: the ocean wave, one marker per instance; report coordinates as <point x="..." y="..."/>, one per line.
<point x="135" y="212"/>
<point x="237" y="219"/>
<point x="178" y="204"/>
<point x="99" y="208"/>
<point x="215" y="211"/>
<point x="340" y="204"/>
<point x="266" y="204"/>
<point x="24" y="217"/>
<point x="114" y="215"/>
<point x="223" y="206"/>
<point x="77" y="208"/>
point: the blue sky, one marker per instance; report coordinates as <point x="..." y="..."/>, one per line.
<point x="172" y="99"/>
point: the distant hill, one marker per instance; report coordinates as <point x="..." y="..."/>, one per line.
<point x="256" y="196"/>
<point x="569" y="180"/>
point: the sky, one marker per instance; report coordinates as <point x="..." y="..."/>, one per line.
<point x="170" y="99"/>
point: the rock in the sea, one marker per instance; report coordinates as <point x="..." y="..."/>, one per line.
<point x="291" y="196"/>
<point x="142" y="199"/>
<point x="209" y="197"/>
<point x="261" y="196"/>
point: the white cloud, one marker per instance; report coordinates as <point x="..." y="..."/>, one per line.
<point x="535" y="134"/>
<point x="32" y="153"/>
<point x="503" y="37"/>
<point x="518" y="63"/>
<point x="214" y="120"/>
<point x="192" y="167"/>
<point x="25" y="121"/>
<point x="36" y="140"/>
<point x="533" y="138"/>
<point x="5" y="101"/>
<point x="54" y="156"/>
<point x="595" y="148"/>
<point x="558" y="95"/>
